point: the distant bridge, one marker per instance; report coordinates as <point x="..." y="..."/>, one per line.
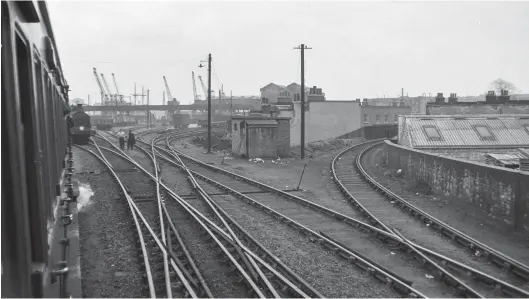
<point x="173" y="108"/>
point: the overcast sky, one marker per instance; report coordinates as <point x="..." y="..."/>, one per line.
<point x="360" y="49"/>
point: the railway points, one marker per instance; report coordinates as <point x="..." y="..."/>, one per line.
<point x="253" y="209"/>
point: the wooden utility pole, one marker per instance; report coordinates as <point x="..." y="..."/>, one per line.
<point x="209" y="100"/>
<point x="209" y="103"/>
<point x="148" y="112"/>
<point x="302" y="48"/>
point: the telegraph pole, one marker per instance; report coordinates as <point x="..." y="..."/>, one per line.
<point x="148" y="112"/>
<point x="303" y="47"/>
<point x="209" y="101"/>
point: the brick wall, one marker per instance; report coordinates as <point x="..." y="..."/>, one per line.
<point x="502" y="192"/>
<point x="477" y="108"/>
<point x="476" y="155"/>
<point x="262" y="142"/>
<point x="238" y="144"/>
<point x="369" y="114"/>
<point x="373" y="132"/>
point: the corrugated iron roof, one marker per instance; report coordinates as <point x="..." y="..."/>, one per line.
<point x="261" y="122"/>
<point x="462" y="132"/>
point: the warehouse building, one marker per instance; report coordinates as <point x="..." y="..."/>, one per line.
<point x="477" y="138"/>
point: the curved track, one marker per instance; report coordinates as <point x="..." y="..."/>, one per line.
<point x="218" y="179"/>
<point x="455" y="255"/>
<point x="250" y="267"/>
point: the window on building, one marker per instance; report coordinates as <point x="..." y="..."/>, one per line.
<point x="396" y="117"/>
<point x="297" y="97"/>
<point x="432" y="133"/>
<point x="242" y="125"/>
<point x="378" y="119"/>
<point x="365" y="118"/>
<point x="386" y="117"/>
<point x="235" y="127"/>
<point x="484" y="133"/>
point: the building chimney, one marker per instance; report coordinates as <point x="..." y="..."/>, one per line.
<point x="491" y="97"/>
<point x="439" y="100"/>
<point x="364" y="102"/>
<point x="358" y="101"/>
<point x="453" y="98"/>
<point x="504" y="97"/>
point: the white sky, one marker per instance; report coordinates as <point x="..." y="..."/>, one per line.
<point x="360" y="49"/>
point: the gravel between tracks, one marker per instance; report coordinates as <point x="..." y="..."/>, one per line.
<point x="328" y="273"/>
<point x="109" y="259"/>
<point x="462" y="216"/>
<point x="317" y="184"/>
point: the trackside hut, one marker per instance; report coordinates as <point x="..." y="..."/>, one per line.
<point x="260" y="137"/>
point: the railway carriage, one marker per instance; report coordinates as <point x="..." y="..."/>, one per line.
<point x="181" y="120"/>
<point x="34" y="139"/>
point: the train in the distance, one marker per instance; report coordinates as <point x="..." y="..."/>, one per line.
<point x="81" y="131"/>
<point x="35" y="106"/>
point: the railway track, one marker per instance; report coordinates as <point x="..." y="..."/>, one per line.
<point x="379" y="271"/>
<point x="259" y="285"/>
<point x="460" y="256"/>
<point x="463" y="280"/>
<point x="158" y="271"/>
<point x="463" y="284"/>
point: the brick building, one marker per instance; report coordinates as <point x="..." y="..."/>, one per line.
<point x="382" y="114"/>
<point x="469" y="137"/>
<point x="260" y="136"/>
<point x="284" y="95"/>
<point x="493" y="104"/>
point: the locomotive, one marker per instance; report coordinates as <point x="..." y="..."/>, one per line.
<point x="81" y="130"/>
<point x="35" y="105"/>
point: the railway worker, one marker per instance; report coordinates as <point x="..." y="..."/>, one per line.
<point x="121" y="136"/>
<point x="131" y="140"/>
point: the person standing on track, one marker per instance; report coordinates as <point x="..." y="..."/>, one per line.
<point x="131" y="140"/>
<point x="121" y="136"/>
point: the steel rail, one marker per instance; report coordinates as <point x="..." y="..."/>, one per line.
<point x="362" y="263"/>
<point x="196" y="214"/>
<point x="136" y="211"/>
<point x="496" y="257"/>
<point x="150" y="282"/>
<point x="173" y="257"/>
<point x="251" y="283"/>
<point x="267" y="253"/>
<point x="162" y="228"/>
<point x="446" y="262"/>
<point x="388" y="237"/>
<point x="250" y="263"/>
<point x="247" y="260"/>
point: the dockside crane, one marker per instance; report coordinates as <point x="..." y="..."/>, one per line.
<point x="204" y="87"/>
<point x="118" y="95"/>
<point x="195" y="95"/>
<point x="169" y="96"/>
<point x="106" y="86"/>
<point x="104" y="96"/>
